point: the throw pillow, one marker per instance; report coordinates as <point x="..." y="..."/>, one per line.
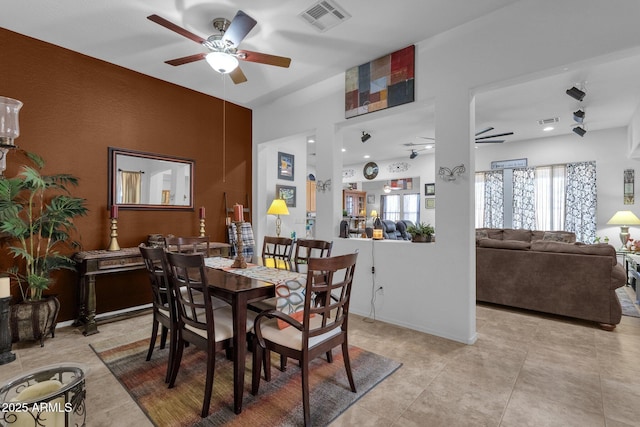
<point x="481" y="234"/>
<point x="559" y="236"/>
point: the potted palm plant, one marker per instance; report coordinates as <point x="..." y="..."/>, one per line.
<point x="36" y="221"/>
<point x="421" y="232"/>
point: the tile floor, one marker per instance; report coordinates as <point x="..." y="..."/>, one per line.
<point x="525" y="370"/>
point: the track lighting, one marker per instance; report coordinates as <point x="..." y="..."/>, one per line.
<point x="365" y="137"/>
<point x="578" y="116"/>
<point x="413" y="154"/>
<point x="579" y="130"/>
<point x="576" y="93"/>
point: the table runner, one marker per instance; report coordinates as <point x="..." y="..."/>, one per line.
<point x="290" y="285"/>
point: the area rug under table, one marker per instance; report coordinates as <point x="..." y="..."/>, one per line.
<point x="278" y="403"/>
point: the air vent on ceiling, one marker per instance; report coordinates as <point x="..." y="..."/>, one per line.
<point x="548" y="121"/>
<point x="325" y="14"/>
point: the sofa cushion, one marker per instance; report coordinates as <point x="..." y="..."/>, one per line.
<point x="537" y="235"/>
<point x="481" y="234"/>
<point x="601" y="249"/>
<point x="559" y="236"/>
<point x="493" y="233"/>
<point x="519" y="234"/>
<point x="504" y="244"/>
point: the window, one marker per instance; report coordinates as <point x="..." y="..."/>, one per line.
<point x="401" y="206"/>
<point x="557" y="197"/>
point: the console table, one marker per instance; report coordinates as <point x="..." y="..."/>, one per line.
<point x="91" y="264"/>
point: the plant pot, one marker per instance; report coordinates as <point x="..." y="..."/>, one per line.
<point x="421" y="239"/>
<point x="34" y="320"/>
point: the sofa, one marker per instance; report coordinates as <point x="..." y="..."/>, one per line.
<point x="549" y="272"/>
<point x="395" y="230"/>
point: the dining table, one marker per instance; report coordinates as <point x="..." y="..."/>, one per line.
<point x="240" y="287"/>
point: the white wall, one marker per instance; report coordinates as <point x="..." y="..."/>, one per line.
<point x="525" y="40"/>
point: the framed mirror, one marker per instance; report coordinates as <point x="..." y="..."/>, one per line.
<point x="139" y="180"/>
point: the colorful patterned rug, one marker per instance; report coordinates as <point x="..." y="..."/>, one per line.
<point x="278" y="403"/>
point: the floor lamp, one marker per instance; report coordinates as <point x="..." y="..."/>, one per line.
<point x="278" y="207"/>
<point x="624" y="219"/>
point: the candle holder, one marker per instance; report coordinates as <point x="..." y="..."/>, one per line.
<point x="202" y="227"/>
<point x="113" y="244"/>
<point x="5" y="332"/>
<point x="239" y="262"/>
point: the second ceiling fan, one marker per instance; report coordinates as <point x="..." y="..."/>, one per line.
<point x="488" y="139"/>
<point x="223" y="52"/>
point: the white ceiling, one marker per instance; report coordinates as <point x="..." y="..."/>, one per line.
<point x="118" y="32"/>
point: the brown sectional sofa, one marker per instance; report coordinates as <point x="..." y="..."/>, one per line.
<point x="549" y="272"/>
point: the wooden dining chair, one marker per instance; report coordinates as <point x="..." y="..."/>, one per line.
<point x="198" y="323"/>
<point x="194" y="245"/>
<point x="164" y="304"/>
<point x="323" y="327"/>
<point x="276" y="252"/>
<point x="310" y="248"/>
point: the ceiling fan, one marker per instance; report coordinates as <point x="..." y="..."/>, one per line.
<point x="487" y="139"/>
<point x="223" y="49"/>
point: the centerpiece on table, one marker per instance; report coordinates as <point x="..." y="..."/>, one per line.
<point x="36" y="223"/>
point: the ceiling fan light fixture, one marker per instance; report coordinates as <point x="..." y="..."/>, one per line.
<point x="222" y="62"/>
<point x="365" y="137"/>
<point x="413" y="154"/>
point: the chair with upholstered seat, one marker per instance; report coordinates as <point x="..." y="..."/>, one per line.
<point x="276" y="252"/>
<point x="194" y="245"/>
<point x="198" y="323"/>
<point x="323" y="326"/>
<point x="164" y="305"/>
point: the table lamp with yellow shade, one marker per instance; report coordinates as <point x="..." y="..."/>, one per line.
<point x="624" y="219"/>
<point x="278" y="207"/>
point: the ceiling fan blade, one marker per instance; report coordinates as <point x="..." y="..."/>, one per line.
<point x="239" y="28"/>
<point x="490" y="141"/>
<point x="263" y="58"/>
<point x="173" y="27"/>
<point x="495" y="136"/>
<point x="485" y="130"/>
<point x="427" y="137"/>
<point x="238" y="76"/>
<point x="186" y="59"/>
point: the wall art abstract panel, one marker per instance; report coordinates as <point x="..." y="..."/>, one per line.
<point x="379" y="84"/>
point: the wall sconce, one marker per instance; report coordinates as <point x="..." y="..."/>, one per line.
<point x="9" y="128"/>
<point x="451" y="174"/>
<point x="322" y="186"/>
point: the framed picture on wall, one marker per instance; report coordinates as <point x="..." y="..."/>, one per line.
<point x="371" y="199"/>
<point x="288" y="193"/>
<point x="285" y="166"/>
<point x="430" y="203"/>
<point x="430" y="189"/>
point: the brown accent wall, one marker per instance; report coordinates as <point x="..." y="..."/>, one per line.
<point x="75" y="107"/>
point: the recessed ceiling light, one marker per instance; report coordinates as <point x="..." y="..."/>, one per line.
<point x="548" y="128"/>
<point x="366" y="156"/>
<point x="344" y="149"/>
<point x="311" y="140"/>
<point x="428" y="146"/>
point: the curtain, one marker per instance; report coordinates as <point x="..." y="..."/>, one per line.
<point x="131" y="187"/>
<point x="493" y="199"/>
<point x="524" y="198"/>
<point x="581" y="201"/>
<point x="550" y="197"/>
